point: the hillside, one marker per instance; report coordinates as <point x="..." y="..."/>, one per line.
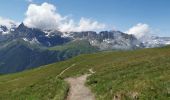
<point x="76" y="46"/>
<point x="19" y="55"/>
<point x="141" y="74"/>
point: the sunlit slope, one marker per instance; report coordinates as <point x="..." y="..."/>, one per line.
<point x="143" y="74"/>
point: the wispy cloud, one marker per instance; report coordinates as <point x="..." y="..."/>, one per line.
<point x="30" y="1"/>
<point x="7" y="22"/>
<point x="84" y="24"/>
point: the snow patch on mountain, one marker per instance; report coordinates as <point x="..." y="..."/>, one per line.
<point x="32" y="41"/>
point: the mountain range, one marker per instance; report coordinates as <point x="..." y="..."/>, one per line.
<point x="24" y="48"/>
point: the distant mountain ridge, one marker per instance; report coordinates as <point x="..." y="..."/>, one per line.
<point x="105" y="40"/>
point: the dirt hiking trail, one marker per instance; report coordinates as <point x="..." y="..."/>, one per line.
<point x="78" y="90"/>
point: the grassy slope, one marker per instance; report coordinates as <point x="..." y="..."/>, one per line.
<point x="36" y="84"/>
<point x="30" y="56"/>
<point x="144" y="74"/>
<point x="19" y="55"/>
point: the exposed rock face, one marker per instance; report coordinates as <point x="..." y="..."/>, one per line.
<point x="107" y="40"/>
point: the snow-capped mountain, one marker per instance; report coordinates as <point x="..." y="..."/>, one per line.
<point x="34" y="35"/>
<point x="105" y="40"/>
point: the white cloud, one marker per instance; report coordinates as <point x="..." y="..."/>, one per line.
<point x="140" y="30"/>
<point x="84" y="24"/>
<point x="42" y="16"/>
<point x="45" y="16"/>
<point x="88" y="24"/>
<point x="7" y="22"/>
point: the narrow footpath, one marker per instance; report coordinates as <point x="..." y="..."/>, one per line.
<point x="78" y="90"/>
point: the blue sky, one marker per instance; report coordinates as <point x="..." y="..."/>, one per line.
<point x="119" y="14"/>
